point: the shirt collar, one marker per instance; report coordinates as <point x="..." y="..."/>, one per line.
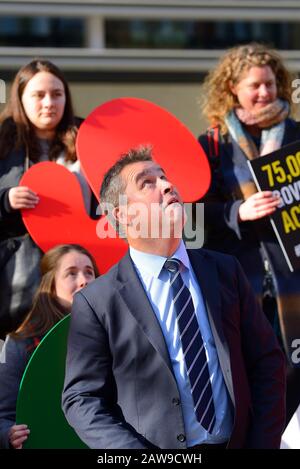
<point x="153" y="264"/>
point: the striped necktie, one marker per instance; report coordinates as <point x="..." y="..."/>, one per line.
<point x="192" y="347"/>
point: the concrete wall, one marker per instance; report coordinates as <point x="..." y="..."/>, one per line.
<point x="180" y="99"/>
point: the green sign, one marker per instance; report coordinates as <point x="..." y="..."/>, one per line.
<point x="39" y="400"/>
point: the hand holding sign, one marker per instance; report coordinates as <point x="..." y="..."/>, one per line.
<point x="279" y="172"/>
<point x="258" y="205"/>
<point x="60" y="216"/>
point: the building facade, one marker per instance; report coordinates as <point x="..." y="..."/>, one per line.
<point x="156" y="50"/>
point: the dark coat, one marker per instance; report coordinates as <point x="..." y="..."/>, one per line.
<point x="252" y="241"/>
<point x="14" y="357"/>
<point x="12" y="169"/>
<point x="120" y="390"/>
<point x="19" y="255"/>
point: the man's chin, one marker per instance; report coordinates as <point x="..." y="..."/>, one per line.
<point x="174" y="220"/>
<point x="174" y="207"/>
<point x="174" y="210"/>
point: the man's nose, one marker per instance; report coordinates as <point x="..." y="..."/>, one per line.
<point x="166" y="186"/>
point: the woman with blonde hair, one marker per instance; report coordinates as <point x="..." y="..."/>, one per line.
<point x="65" y="270"/>
<point x="248" y="103"/>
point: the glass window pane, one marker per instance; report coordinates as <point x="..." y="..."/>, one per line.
<point x="173" y="34"/>
<point x="41" y="31"/>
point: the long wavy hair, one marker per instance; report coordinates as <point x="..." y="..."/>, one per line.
<point x="218" y="99"/>
<point x="16" y="129"/>
<point x="47" y="310"/>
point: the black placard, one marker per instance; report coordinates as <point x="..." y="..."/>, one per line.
<point x="279" y="172"/>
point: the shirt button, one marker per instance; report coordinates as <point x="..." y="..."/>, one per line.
<point x="175" y="401"/>
<point x="181" y="438"/>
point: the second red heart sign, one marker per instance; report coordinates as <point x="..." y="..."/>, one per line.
<point x="110" y="130"/>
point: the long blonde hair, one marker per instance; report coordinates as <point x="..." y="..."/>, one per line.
<point x="218" y="98"/>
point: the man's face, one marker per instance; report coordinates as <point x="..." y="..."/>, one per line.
<point x="153" y="208"/>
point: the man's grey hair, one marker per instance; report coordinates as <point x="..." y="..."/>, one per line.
<point x="113" y="185"/>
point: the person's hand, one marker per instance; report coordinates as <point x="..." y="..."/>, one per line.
<point x="22" y="197"/>
<point x="258" y="206"/>
<point x="17" y="435"/>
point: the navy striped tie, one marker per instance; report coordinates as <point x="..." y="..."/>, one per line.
<point x="192" y="347"/>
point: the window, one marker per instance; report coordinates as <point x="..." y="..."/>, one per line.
<point x="41" y="32"/>
<point x="171" y="34"/>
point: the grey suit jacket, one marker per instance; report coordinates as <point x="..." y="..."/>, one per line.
<point x="120" y="390"/>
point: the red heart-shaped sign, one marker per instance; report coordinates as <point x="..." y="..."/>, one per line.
<point x="118" y="125"/>
<point x="60" y="216"/>
<point x="109" y="131"/>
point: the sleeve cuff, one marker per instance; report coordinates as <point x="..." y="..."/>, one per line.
<point x="5" y="206"/>
<point x="232" y="217"/>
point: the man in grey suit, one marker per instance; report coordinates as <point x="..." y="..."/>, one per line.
<point x="169" y="349"/>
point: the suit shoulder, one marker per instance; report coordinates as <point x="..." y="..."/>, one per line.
<point x="217" y="255"/>
<point x="221" y="259"/>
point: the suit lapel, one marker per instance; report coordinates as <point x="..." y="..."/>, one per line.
<point x="208" y="278"/>
<point x="136" y="299"/>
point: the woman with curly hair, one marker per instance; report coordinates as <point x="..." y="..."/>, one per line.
<point x="248" y="103"/>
